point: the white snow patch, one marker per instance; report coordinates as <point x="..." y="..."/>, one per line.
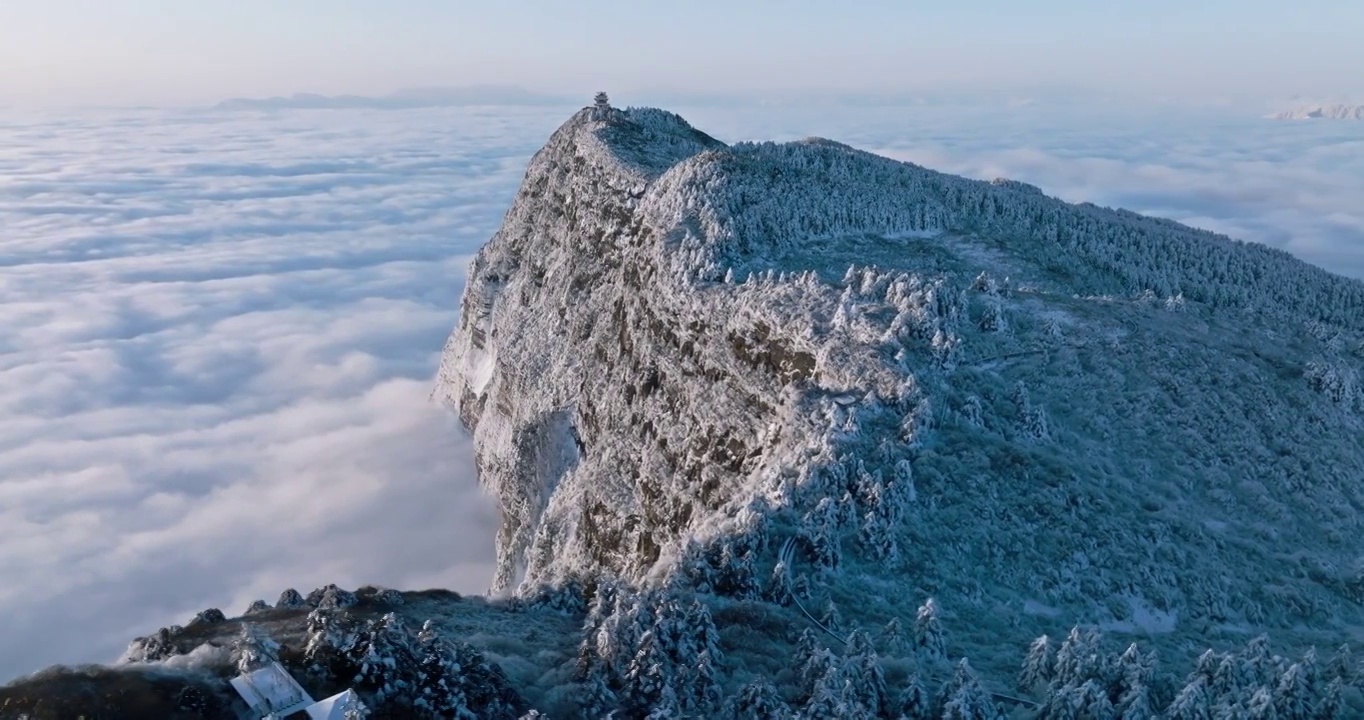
<point x="1144" y="619"/>
<point x="1032" y="607"/>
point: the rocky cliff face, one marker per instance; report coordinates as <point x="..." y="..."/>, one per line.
<point x="676" y="354"/>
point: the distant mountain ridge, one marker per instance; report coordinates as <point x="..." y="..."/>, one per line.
<point x="1333" y="111"/>
<point x="402" y="99"/>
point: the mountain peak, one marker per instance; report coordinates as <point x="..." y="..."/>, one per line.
<point x="676" y="355"/>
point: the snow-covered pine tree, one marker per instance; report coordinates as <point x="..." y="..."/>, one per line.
<point x="893" y="641"/>
<point x="826" y="700"/>
<point x="1295" y="696"/>
<point x="1342" y="665"/>
<point x="914" y="701"/>
<point x="1332" y="705"/>
<point x="598" y="700"/>
<point x="779" y="589"/>
<point x="1078" y="658"/>
<point x="877" y="533"/>
<point x="806" y="647"/>
<point x="736" y="576"/>
<point x="254" y="649"/>
<point x="1036" y="673"/>
<point x="1261" y="706"/>
<point x="330" y="640"/>
<point x="647" y="676"/>
<point x="1135" y="672"/>
<point x="862" y="666"/>
<point x="1206" y="666"/>
<point x="387" y="660"/>
<point x="820" y="528"/>
<point x="437" y="689"/>
<point x="1231" y="678"/>
<point x="1192" y="703"/>
<point x="831" y="617"/>
<point x="706" y="635"/>
<point x="929" y="638"/>
<point x="758" y="700"/>
<point x="820" y="664"/>
<point x="1091" y="701"/>
<point x="963" y="697"/>
<point x="1259" y="667"/>
<point x="704" y="697"/>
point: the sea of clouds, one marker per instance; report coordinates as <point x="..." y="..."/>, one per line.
<point x="218" y="329"/>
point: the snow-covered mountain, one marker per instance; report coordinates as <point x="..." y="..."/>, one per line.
<point x="796" y="429"/>
<point x="676" y="355"/>
<point x="1334" y="111"/>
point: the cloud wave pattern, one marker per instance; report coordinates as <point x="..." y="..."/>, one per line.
<point x="219" y="334"/>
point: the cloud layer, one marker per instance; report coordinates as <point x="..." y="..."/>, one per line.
<point x="220" y="328"/>
<point x="219" y="334"/>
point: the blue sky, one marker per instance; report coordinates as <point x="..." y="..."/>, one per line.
<point x="168" y="51"/>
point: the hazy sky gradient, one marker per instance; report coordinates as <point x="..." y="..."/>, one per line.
<point x="169" y="51"/>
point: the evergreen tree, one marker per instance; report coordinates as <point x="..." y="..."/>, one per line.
<point x="1037" y="665"/>
<point x="1295" y="695"/>
<point x="254" y="649"/>
<point x="1341" y="665"/>
<point x="826" y="697"/>
<point x="1136" y="671"/>
<point x="703" y="627"/>
<point x="1231" y="677"/>
<point x="1332" y="705"/>
<point x="331" y="637"/>
<point x="813" y="672"/>
<point x="1206" y="666"/>
<point x="1192" y="702"/>
<point x="1078" y="658"/>
<point x="705" y="694"/>
<point x="863" y="667"/>
<point x="820" y="528"/>
<point x="647" y="675"/>
<point x="1261" y="705"/>
<point x="437" y="689"/>
<point x="1259" y="667"/>
<point x="877" y="533"/>
<point x="1092" y="701"/>
<point x="779" y="589"/>
<point x="893" y="638"/>
<point x="386" y="659"/>
<point x="598" y="700"/>
<point x="914" y="702"/>
<point x="832" y="618"/>
<point x="929" y="638"/>
<point x="806" y="647"/>
<point x="964" y="698"/>
<point x="758" y="700"/>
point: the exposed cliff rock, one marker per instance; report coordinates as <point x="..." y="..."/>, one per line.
<point x="675" y="354"/>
